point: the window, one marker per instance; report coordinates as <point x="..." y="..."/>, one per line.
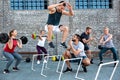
<point x="29" y="4"/>
<point x="93" y="4"/>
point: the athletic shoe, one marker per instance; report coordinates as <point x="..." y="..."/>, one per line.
<point x="15" y="69"/>
<point x="38" y="61"/>
<point x="64" y="45"/>
<point x="45" y="60"/>
<point x="67" y="69"/>
<point x="91" y="61"/>
<point x="51" y="45"/>
<point x="100" y="63"/>
<point x="114" y="64"/>
<point x="6" y="71"/>
<point x="84" y="68"/>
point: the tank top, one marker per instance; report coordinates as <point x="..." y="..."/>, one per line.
<point x="108" y="44"/>
<point x="54" y="19"/>
<point x="7" y="49"/>
<point x="41" y="43"/>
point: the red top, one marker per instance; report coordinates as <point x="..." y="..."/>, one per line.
<point x="7" y="49"/>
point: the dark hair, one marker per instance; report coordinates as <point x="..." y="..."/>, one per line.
<point x="78" y="36"/>
<point x="10" y="33"/>
<point x="87" y="28"/>
<point x="60" y="26"/>
<point x="64" y="4"/>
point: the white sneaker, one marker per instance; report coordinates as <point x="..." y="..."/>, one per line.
<point x="38" y="62"/>
<point x="45" y="61"/>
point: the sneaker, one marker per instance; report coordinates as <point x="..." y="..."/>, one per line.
<point x="91" y="61"/>
<point x="64" y="45"/>
<point x="6" y="71"/>
<point x="100" y="63"/>
<point x="67" y="70"/>
<point x="45" y="60"/>
<point x="38" y="62"/>
<point x="15" y="69"/>
<point x="84" y="68"/>
<point x="114" y="64"/>
<point x="51" y="45"/>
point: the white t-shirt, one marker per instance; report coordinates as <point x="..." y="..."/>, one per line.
<point x="80" y="46"/>
<point x="41" y="42"/>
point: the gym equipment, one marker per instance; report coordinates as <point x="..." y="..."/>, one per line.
<point x="62" y="58"/>
<point x="53" y="36"/>
<point x="24" y="39"/>
<point x="4" y="38"/>
<point x="55" y="58"/>
<point x="34" y="36"/>
<point x="100" y="47"/>
<point x="28" y="60"/>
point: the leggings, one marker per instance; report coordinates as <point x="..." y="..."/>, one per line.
<point x="10" y="57"/>
<point x="106" y="49"/>
<point x="40" y="50"/>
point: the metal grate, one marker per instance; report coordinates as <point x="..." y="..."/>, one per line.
<point x="93" y="4"/>
<point x="29" y="4"/>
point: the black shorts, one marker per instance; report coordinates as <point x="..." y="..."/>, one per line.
<point x="78" y="60"/>
<point x="72" y="55"/>
<point x="86" y="47"/>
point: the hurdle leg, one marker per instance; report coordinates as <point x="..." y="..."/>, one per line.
<point x="58" y="64"/>
<point x="114" y="70"/>
<point x="32" y="67"/>
<point x="42" y="70"/>
<point x="78" y="71"/>
<point x="61" y="70"/>
<point x="46" y="66"/>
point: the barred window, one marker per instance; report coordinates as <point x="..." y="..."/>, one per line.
<point x="93" y="4"/>
<point x="29" y="4"/>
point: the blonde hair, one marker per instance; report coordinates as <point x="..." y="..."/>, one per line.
<point x="106" y="28"/>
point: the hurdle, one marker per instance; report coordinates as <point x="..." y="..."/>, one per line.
<point x="76" y="76"/>
<point x="46" y="66"/>
<point x="107" y="64"/>
<point x="33" y="59"/>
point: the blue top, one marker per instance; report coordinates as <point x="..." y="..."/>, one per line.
<point x="84" y="36"/>
<point x="108" y="44"/>
<point x="54" y="19"/>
